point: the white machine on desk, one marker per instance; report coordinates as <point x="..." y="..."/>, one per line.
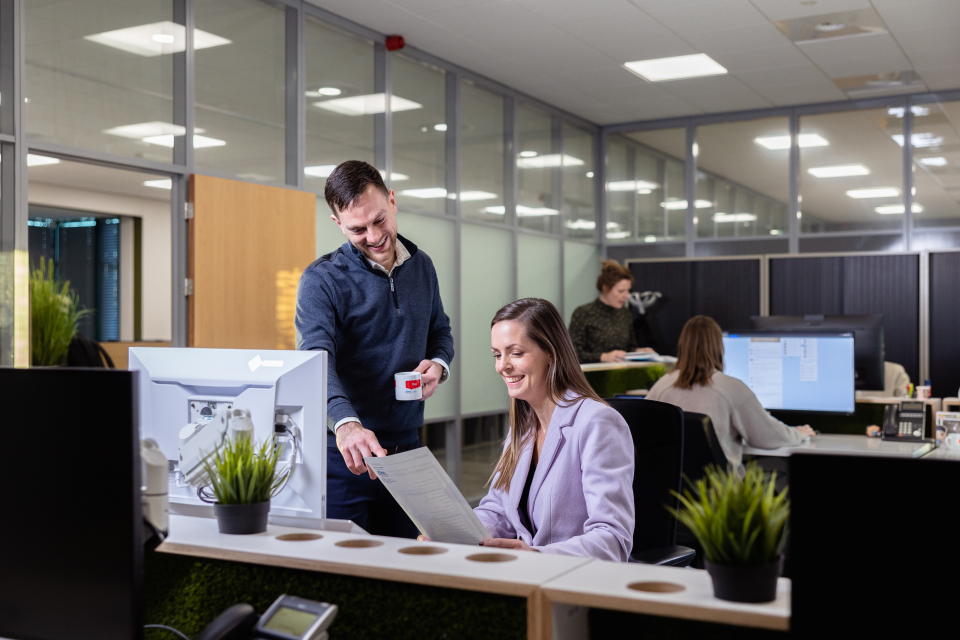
<point x="278" y="394"/>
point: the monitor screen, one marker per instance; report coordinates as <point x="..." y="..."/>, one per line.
<point x="794" y="372"/>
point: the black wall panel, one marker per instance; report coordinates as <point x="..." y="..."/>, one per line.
<point x="726" y="290"/>
<point x="944" y="322"/>
<point x="800" y="286"/>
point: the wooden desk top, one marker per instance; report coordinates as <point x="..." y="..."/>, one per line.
<point x="605" y="585"/>
<point x="609" y="366"/>
<point x="849" y="445"/>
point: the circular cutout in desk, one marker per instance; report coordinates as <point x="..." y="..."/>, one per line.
<point x="491" y="557"/>
<point x="299" y="537"/>
<point x="359" y="544"/>
<point x="656" y="587"/>
<point x="423" y="551"/>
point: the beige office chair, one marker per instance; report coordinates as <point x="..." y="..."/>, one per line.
<point x="895" y="381"/>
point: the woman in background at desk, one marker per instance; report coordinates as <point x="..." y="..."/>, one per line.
<point x="698" y="385"/>
<point x="602" y="331"/>
<point x="564" y="483"/>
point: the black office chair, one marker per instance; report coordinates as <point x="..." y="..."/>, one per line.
<point x="700" y="448"/>
<point x="657" y="431"/>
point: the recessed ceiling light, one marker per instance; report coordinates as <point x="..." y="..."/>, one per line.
<point x="776" y="232"/>
<point x="676" y="68"/>
<point x="547" y="161"/>
<point x="644" y="192"/>
<point x="890" y="209"/>
<point x="580" y="224"/>
<point x="329" y="91"/>
<point x="734" y="217"/>
<point x="199" y="142"/>
<point x="523" y="212"/>
<point x="312" y="94"/>
<point x="165" y="183"/>
<point x="674" y="205"/>
<point x="470" y="196"/>
<point x="366" y="105"/>
<point x="156" y="39"/>
<point x="876" y="192"/>
<point x="528" y="154"/>
<point x="839" y="171"/>
<point x="830" y="26"/>
<point x="320" y="170"/>
<point x="917" y="110"/>
<point x="589" y="174"/>
<point x="777" y="143"/>
<point x="618" y="235"/>
<point x="650" y="238"/>
<point x="39" y="161"/>
<point x="147" y="129"/>
<point x="440" y="127"/>
<point x="427" y="193"/>
<point x="630" y="185"/>
<point x="920" y="140"/>
<point x="933" y="162"/>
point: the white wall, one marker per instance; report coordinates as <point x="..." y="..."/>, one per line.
<point x="157" y="267"/>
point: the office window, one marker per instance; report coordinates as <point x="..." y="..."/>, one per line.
<point x="435" y="237"/>
<point x="538" y="170"/>
<point x="99" y="75"/>
<point x="486" y="264"/>
<point x="419" y="136"/>
<point x="538" y="268"/>
<point x="743" y="188"/>
<point x="240" y="110"/>
<point x="851" y="171"/>
<point x="936" y="165"/>
<point x="579" y="193"/>
<point x="481" y="158"/>
<point x="581" y="267"/>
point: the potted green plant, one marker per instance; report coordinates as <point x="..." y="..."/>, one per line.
<point x="741" y="524"/>
<point x="54" y="316"/>
<point x="243" y="479"/>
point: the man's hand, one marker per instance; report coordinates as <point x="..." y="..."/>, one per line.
<point x="355" y="444"/>
<point x="430" y="373"/>
<point x="507" y="543"/>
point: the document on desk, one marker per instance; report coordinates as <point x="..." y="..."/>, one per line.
<point x="424" y="490"/>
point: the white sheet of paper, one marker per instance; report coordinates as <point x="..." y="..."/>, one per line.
<point x="424" y="490"/>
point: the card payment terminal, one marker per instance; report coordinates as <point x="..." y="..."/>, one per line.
<point x="293" y="618"/>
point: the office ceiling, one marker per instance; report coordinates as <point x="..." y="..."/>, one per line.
<point x="570" y="53"/>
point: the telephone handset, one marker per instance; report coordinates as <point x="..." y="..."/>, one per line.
<point x="904" y="421"/>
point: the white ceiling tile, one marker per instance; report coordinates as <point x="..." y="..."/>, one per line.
<point x="697" y="88"/>
<point x="737" y="62"/>
<point x="731" y="102"/>
<point x="936" y="57"/>
<point x="566" y="11"/>
<point x="425" y="7"/>
<point x="635" y="36"/>
<point x="721" y="15"/>
<point x="661" y="5"/>
<point x="937" y="37"/>
<point x="805" y="74"/>
<point x="665" y="107"/>
<point x="763" y="36"/>
<point x="857" y="56"/>
<point x="802" y="93"/>
<point x="791" y="9"/>
<point x="476" y="20"/>
<point x="917" y="14"/>
<point x="939" y="79"/>
<point x="549" y="49"/>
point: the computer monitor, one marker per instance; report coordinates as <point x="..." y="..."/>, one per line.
<point x="867" y="333"/>
<point x="71" y="541"/>
<point x="181" y="386"/>
<point x="794" y="371"/>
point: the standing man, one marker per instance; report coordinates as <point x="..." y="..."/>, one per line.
<point x="374" y="306"/>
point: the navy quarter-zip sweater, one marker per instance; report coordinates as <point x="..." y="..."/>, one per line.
<point x="372" y="326"/>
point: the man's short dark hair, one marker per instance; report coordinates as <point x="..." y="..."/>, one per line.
<point x="349" y="181"/>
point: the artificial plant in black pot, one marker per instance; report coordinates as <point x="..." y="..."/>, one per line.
<point x="741" y="524"/>
<point x="243" y="478"/>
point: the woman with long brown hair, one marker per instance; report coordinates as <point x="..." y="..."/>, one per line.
<point x="698" y="384"/>
<point x="564" y="483"/>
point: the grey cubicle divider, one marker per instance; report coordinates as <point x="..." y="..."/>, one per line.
<point x="855" y="284"/>
<point x="944" y="317"/>
<point x="728" y="290"/>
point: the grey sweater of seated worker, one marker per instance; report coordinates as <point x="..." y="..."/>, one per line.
<point x="737" y="415"/>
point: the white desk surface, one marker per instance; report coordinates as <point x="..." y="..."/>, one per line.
<point x="849" y="445"/>
<point x="604" y="585"/>
<point x="943" y="453"/>
<point x="609" y="366"/>
<point x="520" y="576"/>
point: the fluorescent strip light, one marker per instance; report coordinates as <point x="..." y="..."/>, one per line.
<point x="147" y="130"/>
<point x="550" y="160"/>
<point x="367" y="105"/>
<point x="876" y="192"/>
<point x="522" y="211"/>
<point x="319" y="170"/>
<point x="776" y="232"/>
<point x="916" y="109"/>
<point x="618" y="235"/>
<point x="440" y="127"/>
<point x="734" y="217"/>
<point x="165" y="183"/>
<point x="528" y="154"/>
<point x="674" y="205"/>
<point x="920" y="140"/>
<point x="839" y="171"/>
<point x="470" y="196"/>
<point x="648" y="238"/>
<point x="676" y="68"/>
<point x="329" y="91"/>
<point x="778" y="143"/>
<point x="933" y="162"/>
<point x="39" y="161"/>
<point x="199" y="142"/>
<point x="580" y="224"/>
<point x="630" y="185"/>
<point x="889" y="209"/>
<point x="427" y="193"/>
<point x="143" y="41"/>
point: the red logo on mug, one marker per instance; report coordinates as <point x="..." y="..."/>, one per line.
<point x="413" y="384"/>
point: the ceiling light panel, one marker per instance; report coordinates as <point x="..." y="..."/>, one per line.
<point x="675" y="205"/>
<point x="875" y="192"/>
<point x="778" y="143"/>
<point x="164" y="183"/>
<point x="677" y="68"/>
<point x="839" y="171"/>
<point x="199" y="142"/>
<point x="734" y="217"/>
<point x="547" y="161"/>
<point x="892" y="209"/>
<point x="156" y="39"/>
<point x="630" y="185"/>
<point x="366" y="105"/>
<point x="426" y="194"/>
<point x="147" y="129"/>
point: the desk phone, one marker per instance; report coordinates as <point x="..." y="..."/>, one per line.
<point x="904" y="422"/>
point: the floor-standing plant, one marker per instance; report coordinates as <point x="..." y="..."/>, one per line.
<point x="54" y="317"/>
<point x="741" y="523"/>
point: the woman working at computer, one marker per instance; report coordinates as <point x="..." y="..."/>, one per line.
<point x="698" y="385"/>
<point x="564" y="483"/>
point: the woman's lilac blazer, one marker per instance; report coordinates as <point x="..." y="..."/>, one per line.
<point x="581" y="497"/>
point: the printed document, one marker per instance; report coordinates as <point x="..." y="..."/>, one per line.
<point x="424" y="490"/>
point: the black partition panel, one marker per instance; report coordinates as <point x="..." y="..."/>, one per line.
<point x="726" y="290"/>
<point x="944" y="319"/>
<point x="855" y="285"/>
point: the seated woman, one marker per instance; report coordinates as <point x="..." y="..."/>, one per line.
<point x="698" y="385"/>
<point x="602" y="331"/>
<point x="564" y="483"/>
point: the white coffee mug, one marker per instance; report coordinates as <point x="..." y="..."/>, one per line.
<point x="952" y="441"/>
<point x="407" y="385"/>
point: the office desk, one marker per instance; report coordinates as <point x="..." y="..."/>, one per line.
<point x="849" y="445"/>
<point x="950" y="404"/>
<point x="942" y="453"/>
<point x="611" y="378"/>
<point x="610" y="366"/>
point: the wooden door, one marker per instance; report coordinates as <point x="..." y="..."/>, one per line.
<point x="249" y="243"/>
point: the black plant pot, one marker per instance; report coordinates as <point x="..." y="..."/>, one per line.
<point x="242" y="519"/>
<point x="744" y="584"/>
